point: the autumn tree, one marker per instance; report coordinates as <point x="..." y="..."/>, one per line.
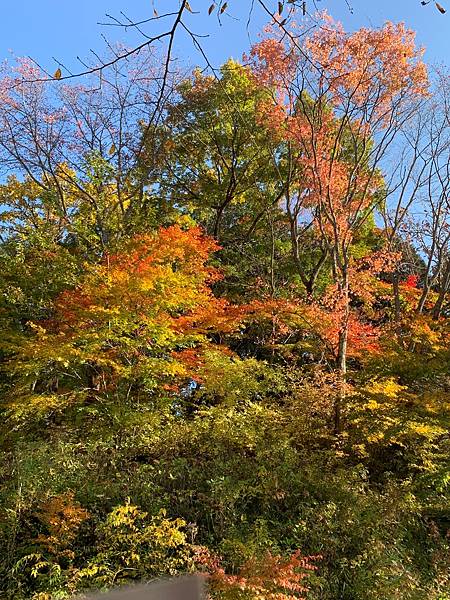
<point x="239" y="182"/>
<point x="223" y="170"/>
<point x="77" y="150"/>
<point x="355" y="91"/>
<point x="135" y="322"/>
<point x="415" y="218"/>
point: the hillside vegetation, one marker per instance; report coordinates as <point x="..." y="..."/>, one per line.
<point x="226" y="324"/>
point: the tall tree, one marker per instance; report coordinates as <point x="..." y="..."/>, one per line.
<point x="364" y="88"/>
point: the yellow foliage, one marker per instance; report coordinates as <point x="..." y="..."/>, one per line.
<point x="387" y="388"/>
<point x="62" y="516"/>
<point x="136" y="544"/>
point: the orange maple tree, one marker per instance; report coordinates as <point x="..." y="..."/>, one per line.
<point x="340" y="99"/>
<point x="135" y="320"/>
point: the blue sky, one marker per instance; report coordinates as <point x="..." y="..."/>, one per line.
<point x="65" y="28"/>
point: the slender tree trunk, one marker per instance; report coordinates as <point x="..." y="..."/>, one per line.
<point x="423" y="297"/>
<point x="342" y="355"/>
<point x="437" y="310"/>
<point x="396" y="290"/>
<point x="272" y="257"/>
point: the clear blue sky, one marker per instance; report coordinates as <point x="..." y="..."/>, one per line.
<point x="66" y="28"/>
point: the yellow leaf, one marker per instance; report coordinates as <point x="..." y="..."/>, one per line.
<point x="112" y="150"/>
<point x="372" y="405"/>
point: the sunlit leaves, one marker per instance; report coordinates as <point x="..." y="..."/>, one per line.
<point x="128" y="319"/>
<point x="157" y="363"/>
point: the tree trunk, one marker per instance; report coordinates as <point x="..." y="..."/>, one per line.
<point x="423" y="297"/>
<point x="396" y="290"/>
<point x="341" y="361"/>
<point x="437" y="310"/>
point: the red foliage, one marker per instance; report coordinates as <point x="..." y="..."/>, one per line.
<point x="270" y="577"/>
<point x="411" y="281"/>
<point x="319" y="320"/>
